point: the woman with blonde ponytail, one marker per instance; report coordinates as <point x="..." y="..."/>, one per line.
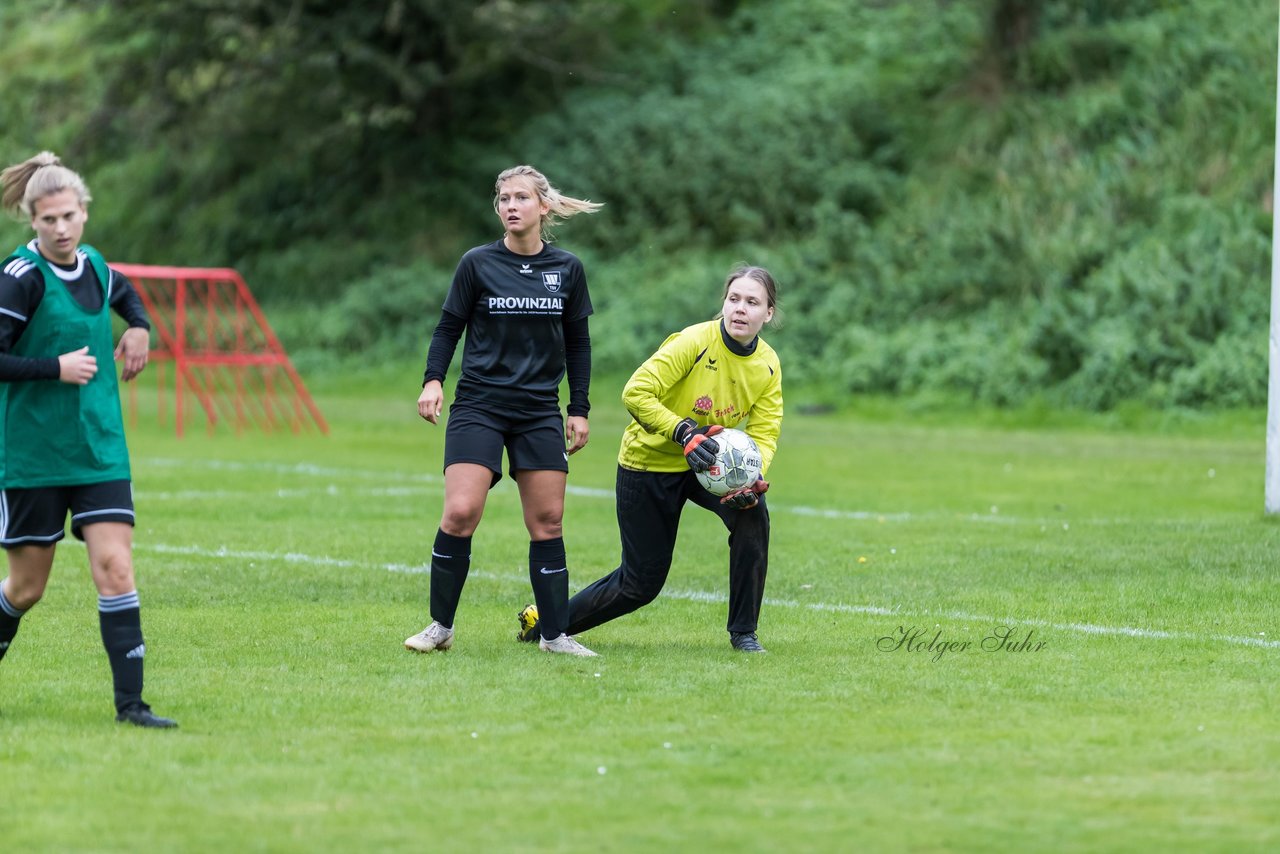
<point x="524" y="306"/>
<point x="62" y="444"/>
<point x="558" y="205"/>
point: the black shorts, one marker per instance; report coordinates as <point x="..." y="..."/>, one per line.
<point x="533" y="443"/>
<point x="38" y="516"/>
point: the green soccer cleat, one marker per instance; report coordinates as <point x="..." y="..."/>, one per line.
<point x="528" y="618"/>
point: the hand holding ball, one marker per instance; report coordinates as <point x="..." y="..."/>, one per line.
<point x="736" y="465"/>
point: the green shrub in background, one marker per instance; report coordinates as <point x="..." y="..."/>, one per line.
<point x="50" y="84"/>
<point x="386" y="315"/>
<point x="1225" y="373"/>
<point x="1055" y="201"/>
<point x="795" y="114"/>
<point x="1072" y="206"/>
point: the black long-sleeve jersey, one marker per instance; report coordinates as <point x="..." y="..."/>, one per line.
<point x="21" y="292"/>
<point x="526" y="326"/>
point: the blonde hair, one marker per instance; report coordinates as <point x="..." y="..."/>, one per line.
<point x="25" y="183"/>
<point x="560" y="206"/>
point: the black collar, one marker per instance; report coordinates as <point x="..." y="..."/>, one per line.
<point x="734" y="347"/>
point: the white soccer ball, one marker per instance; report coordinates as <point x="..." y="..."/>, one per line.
<point x="738" y="463"/>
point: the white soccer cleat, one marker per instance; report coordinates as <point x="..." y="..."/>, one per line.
<point x="433" y="637"/>
<point x="564" y="644"/>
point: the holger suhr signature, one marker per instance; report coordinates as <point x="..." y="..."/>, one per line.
<point x="933" y="644"/>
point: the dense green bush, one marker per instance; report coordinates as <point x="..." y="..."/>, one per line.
<point x="762" y="135"/>
<point x="1224" y="373"/>
<point x="1082" y="227"/>
<point x="1013" y="200"/>
<point x="388" y="314"/>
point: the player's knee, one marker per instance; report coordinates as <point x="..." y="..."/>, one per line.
<point x="23" y="597"/>
<point x="545" y="528"/>
<point x="460" y="521"/>
<point x="753" y="523"/>
<point x="114" y="573"/>
<point x="640" y="597"/>
<point x="641" y="590"/>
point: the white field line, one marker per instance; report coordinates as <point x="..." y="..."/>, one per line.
<point x="310" y="470"/>
<point x="591" y="492"/>
<point x="305" y="469"/>
<point x="294" y="558"/>
<point x="239" y="495"/>
<point x="700" y="596"/>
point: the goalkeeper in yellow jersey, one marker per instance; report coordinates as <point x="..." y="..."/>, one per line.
<point x="702" y="379"/>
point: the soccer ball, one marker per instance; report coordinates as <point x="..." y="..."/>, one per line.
<point x="737" y="464"/>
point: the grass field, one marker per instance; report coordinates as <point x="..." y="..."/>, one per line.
<point x="1130" y="708"/>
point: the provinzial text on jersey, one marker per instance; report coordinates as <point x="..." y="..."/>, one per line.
<point x="547" y="304"/>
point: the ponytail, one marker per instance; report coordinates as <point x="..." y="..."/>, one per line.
<point x="560" y="206"/>
<point x="23" y="184"/>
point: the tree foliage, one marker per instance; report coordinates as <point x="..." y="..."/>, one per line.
<point x="1004" y="200"/>
<point x="1060" y="199"/>
<point x="273" y="127"/>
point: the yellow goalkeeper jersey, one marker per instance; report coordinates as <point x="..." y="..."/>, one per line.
<point x="703" y="374"/>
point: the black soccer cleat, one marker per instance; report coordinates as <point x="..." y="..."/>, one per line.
<point x="139" y="714"/>
<point x="745" y="642"/>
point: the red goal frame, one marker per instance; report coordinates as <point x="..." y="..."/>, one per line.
<point x="224" y="352"/>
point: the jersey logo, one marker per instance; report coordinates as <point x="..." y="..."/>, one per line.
<point x="551" y="281"/>
<point x="18" y="267"/>
<point x="526" y="269"/>
<point x="703" y="405"/>
<point x="526" y="305"/>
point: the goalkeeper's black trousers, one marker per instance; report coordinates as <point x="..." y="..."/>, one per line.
<point x="649" y="507"/>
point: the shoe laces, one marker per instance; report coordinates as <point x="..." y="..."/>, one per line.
<point x="566" y="643"/>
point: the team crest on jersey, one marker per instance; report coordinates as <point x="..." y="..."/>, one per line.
<point x="551" y="281"/>
<point x="702" y="406"/>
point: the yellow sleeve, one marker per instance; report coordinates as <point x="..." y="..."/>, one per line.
<point x="765" y="424"/>
<point x="643" y="393"/>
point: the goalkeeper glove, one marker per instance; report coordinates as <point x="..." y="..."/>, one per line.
<point x="699" y="448"/>
<point x="748" y="496"/>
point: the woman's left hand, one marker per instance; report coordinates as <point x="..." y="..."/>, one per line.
<point x="134" y="345"/>
<point x="576" y="430"/>
<point x="748" y="496"/>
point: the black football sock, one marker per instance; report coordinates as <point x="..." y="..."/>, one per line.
<point x="450" y="561"/>
<point x="9" y="617"/>
<point x="121" y="624"/>
<point x="549" y="576"/>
